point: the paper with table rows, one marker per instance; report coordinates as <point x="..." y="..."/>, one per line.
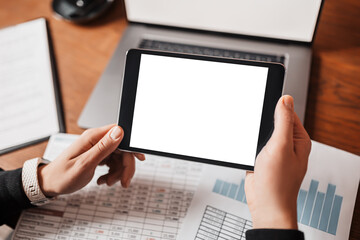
<point x="163" y="189"/>
<point x="153" y="207"/>
<point x="325" y="202"/>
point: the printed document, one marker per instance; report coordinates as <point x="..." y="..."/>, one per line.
<point x="28" y="109"/>
<point x="325" y="202"/>
<point x="212" y="198"/>
<point x="153" y="207"/>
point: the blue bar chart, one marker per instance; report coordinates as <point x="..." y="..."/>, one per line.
<point x="231" y="190"/>
<point x="315" y="209"/>
<point x="319" y="210"/>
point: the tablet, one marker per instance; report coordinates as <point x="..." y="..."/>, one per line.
<point x="199" y="108"/>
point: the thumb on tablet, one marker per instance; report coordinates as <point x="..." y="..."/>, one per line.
<point x="106" y="145"/>
<point x="284" y="120"/>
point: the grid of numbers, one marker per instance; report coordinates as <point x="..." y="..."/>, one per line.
<point x="151" y="208"/>
<point x="217" y="224"/>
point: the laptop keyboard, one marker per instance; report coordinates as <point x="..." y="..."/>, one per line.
<point x="207" y="51"/>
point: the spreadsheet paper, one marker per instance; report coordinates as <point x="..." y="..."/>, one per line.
<point x="325" y="201"/>
<point x="153" y="207"/>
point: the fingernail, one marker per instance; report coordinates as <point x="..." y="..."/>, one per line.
<point x="289" y="102"/>
<point x="115" y="132"/>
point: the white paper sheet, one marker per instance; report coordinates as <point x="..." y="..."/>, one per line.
<point x="152" y="208"/>
<point x="27" y="102"/>
<point x="325" y="203"/>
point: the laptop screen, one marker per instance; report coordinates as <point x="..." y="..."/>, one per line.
<point x="280" y="19"/>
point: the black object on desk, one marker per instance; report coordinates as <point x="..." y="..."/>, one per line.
<point x="80" y="11"/>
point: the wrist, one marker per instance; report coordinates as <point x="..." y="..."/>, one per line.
<point x="30" y="182"/>
<point x="44" y="182"/>
<point x="278" y="219"/>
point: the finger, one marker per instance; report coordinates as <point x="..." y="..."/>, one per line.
<point x="302" y="142"/>
<point x="87" y="140"/>
<point x="140" y="156"/>
<point x="128" y="169"/>
<point x="299" y="130"/>
<point x="115" y="172"/>
<point x="105" y="146"/>
<point x="102" y="179"/>
<point x="249" y="174"/>
<point x="284" y="121"/>
<point x="105" y="160"/>
<point x="114" y="162"/>
<point x="108" y="178"/>
<point x="248" y="181"/>
<point x="115" y="155"/>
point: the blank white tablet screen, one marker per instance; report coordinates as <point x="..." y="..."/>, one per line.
<point x="198" y="108"/>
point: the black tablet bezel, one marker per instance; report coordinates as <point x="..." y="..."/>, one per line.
<point x="273" y="92"/>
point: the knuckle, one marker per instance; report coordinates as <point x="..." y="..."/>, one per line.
<point x="102" y="145"/>
<point x="88" y="136"/>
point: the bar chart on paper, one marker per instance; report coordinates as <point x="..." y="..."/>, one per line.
<point x="325" y="201"/>
<point x="319" y="210"/>
<point x="231" y="190"/>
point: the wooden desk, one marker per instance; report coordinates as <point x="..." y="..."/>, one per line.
<point x="82" y="53"/>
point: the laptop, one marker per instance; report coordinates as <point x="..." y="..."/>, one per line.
<point x="272" y="30"/>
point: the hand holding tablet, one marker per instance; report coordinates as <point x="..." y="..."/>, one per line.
<point x="199" y="108"/>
